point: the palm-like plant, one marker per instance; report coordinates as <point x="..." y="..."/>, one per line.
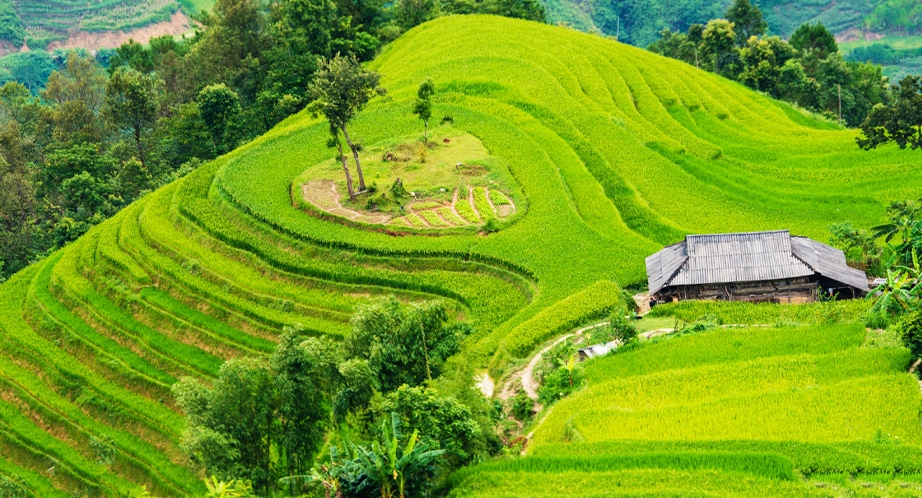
<point x="569" y="366"/>
<point x="392" y="465"/>
<point x="230" y="489"/>
<point x="901" y="291"/>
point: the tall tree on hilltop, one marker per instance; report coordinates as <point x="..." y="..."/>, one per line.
<point x="423" y="107"/>
<point x="133" y="105"/>
<point x="717" y="42"/>
<point x="747" y="19"/>
<point x="341" y="89"/>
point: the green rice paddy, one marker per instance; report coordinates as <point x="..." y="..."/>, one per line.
<point x="616" y="152"/>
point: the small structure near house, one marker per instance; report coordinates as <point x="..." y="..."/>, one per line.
<point x="597" y="350"/>
<point x="757" y="267"/>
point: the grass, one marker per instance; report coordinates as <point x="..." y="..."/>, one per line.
<point x="772" y="403"/>
<point x="608" y="153"/>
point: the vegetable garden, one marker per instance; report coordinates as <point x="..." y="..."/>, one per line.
<point x="616" y="152"/>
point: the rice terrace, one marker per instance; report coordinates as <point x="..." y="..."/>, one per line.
<point x="267" y="326"/>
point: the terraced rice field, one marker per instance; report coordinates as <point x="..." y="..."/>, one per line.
<point x="617" y="152"/>
<point x="729" y="412"/>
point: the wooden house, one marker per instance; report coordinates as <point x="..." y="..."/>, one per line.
<point x="758" y="267"/>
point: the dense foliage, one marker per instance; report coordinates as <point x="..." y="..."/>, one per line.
<point x="807" y="70"/>
<point x="638" y="22"/>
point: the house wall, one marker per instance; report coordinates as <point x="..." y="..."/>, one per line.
<point x="794" y="290"/>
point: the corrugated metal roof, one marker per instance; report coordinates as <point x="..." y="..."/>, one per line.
<point x="747" y="257"/>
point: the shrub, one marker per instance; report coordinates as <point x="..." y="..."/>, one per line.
<point x="911" y="329"/>
<point x="522" y="407"/>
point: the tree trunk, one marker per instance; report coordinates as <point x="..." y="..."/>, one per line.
<point x="342" y="158"/>
<point x="358" y="165"/>
<point x="137" y="139"/>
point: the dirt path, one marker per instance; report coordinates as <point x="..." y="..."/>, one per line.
<point x="485" y="384"/>
<point x="527" y="374"/>
<point x="323" y="195"/>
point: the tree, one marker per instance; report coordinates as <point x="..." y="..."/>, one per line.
<point x="219" y="105"/>
<point x="76" y="96"/>
<point x="334" y="142"/>
<point x="132" y="105"/>
<point x="900" y="121"/>
<point x="747" y="20"/>
<point x="304" y="370"/>
<point x="717" y="43"/>
<point x="423" y="107"/>
<point x="341" y="89"/>
<point x="404" y="345"/>
<point x="411" y="13"/>
<point x="443" y="420"/>
<point x="230" y="424"/>
<point x="17" y="204"/>
<point x="814" y="40"/>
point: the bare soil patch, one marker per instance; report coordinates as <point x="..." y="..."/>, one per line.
<point x="178" y="24"/>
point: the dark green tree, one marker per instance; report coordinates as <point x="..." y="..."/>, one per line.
<point x="411" y="13"/>
<point x="900" y="121"/>
<point x="133" y="105"/>
<point x="341" y="89"/>
<point x="815" y="40"/>
<point x="911" y="329"/>
<point x="230" y="425"/>
<point x="17" y="202"/>
<point x="423" y="106"/>
<point x="404" y="345"/>
<point x="747" y="20"/>
<point x="218" y="107"/>
<point x="304" y="370"/>
<point x="442" y="420"/>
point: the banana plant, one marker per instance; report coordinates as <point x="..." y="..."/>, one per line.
<point x="569" y="366"/>
<point x="392" y="463"/>
<point x="230" y="489"/>
<point x="901" y="290"/>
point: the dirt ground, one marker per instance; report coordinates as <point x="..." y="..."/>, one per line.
<point x="178" y="24"/>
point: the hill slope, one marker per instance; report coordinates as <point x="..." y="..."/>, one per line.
<point x="81" y="24"/>
<point x="732" y="412"/>
<point x="639" y="21"/>
<point x="616" y="152"/>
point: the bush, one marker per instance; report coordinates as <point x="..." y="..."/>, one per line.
<point x="560" y="383"/>
<point x="522" y="407"/>
<point x="911" y="329"/>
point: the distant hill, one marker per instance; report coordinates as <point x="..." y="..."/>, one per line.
<point x="49" y="24"/>
<point x="639" y="21"/>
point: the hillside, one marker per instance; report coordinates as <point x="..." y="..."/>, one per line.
<point x="639" y="21"/>
<point x="91" y="25"/>
<point x="611" y="152"/>
<point x="762" y="410"/>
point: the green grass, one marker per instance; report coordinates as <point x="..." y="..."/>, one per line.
<point x="608" y="153"/>
<point x="765" y="402"/>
